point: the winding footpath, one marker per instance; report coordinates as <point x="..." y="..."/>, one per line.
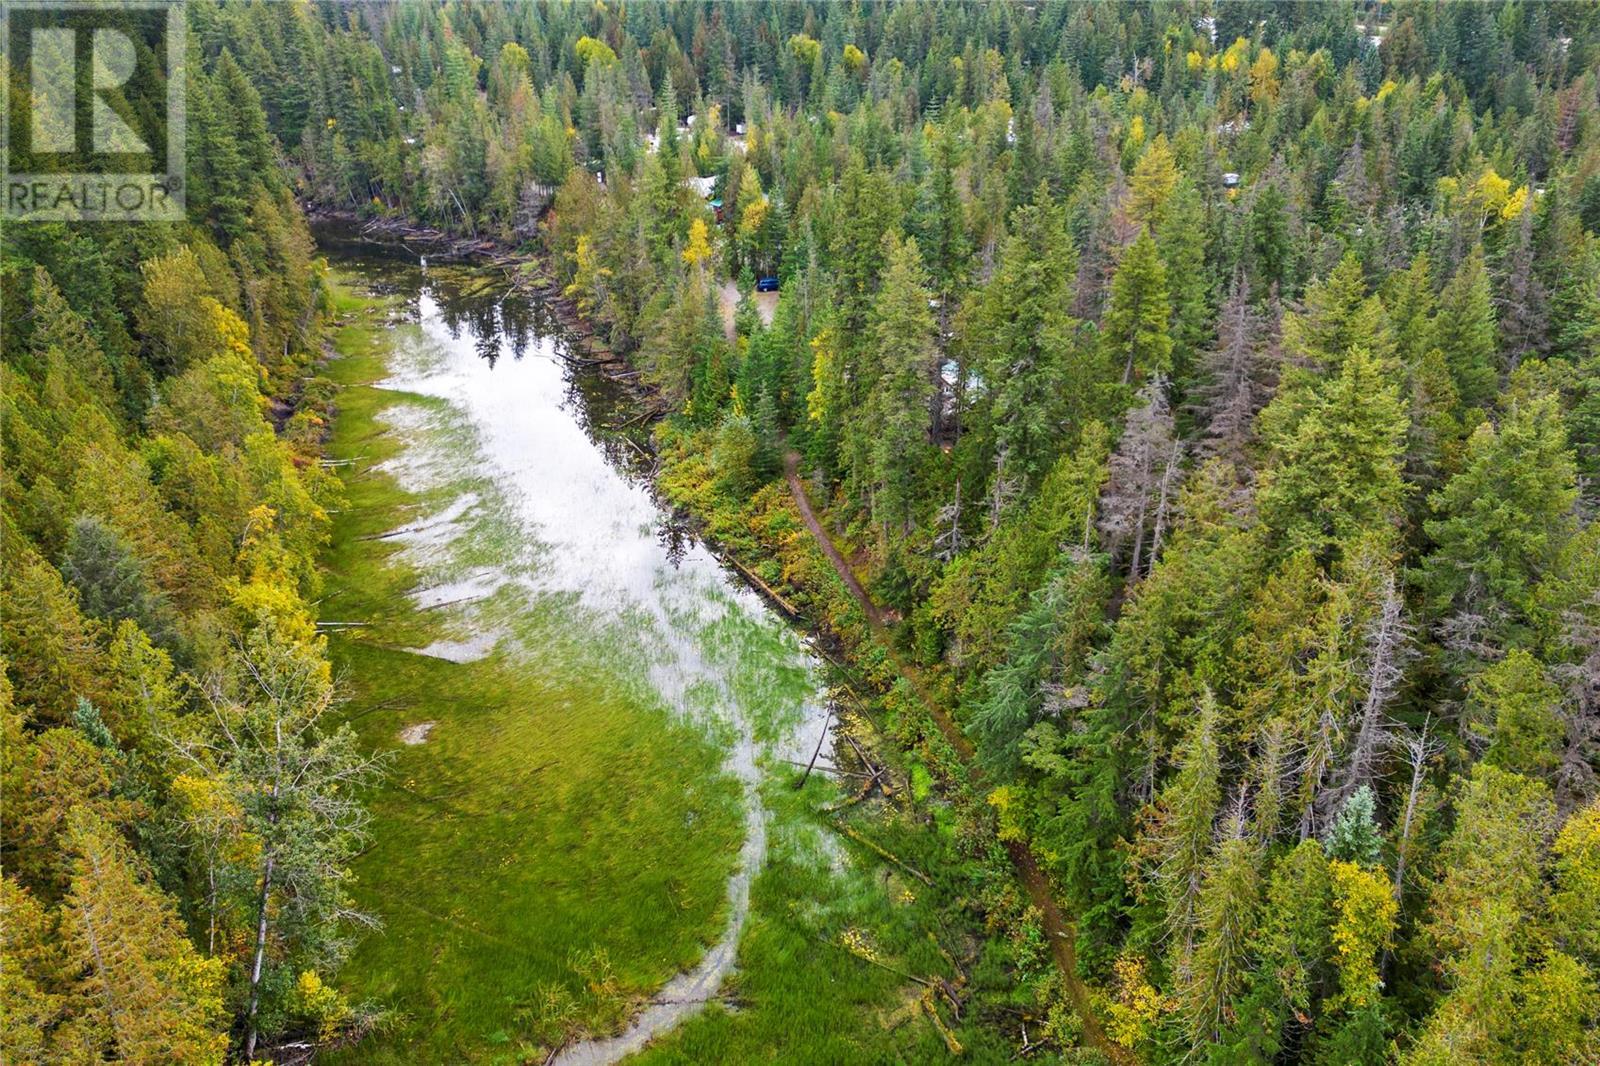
<point x="1059" y="931"/>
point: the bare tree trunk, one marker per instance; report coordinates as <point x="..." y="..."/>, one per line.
<point x="255" y="966"/>
<point x="1138" y="545"/>
<point x="261" y="937"/>
<point x="1168" y="475"/>
<point x="1387" y="639"/>
<point x="211" y="905"/>
<point x="1419" y="749"/>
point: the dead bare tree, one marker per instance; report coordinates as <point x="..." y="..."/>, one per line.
<point x="1004" y="490"/>
<point x="947" y="543"/>
<point x="1388" y="642"/>
<point x="1419" y="749"/>
<point x="1143" y="477"/>
<point x="1523" y="304"/>
<point x="1239" y="373"/>
<point x="1575" y="777"/>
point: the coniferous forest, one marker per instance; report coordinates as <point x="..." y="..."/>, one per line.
<point x="1178" y="423"/>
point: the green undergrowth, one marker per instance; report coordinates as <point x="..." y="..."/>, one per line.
<point x="837" y="945"/>
<point x="972" y="922"/>
<point x="556" y="847"/>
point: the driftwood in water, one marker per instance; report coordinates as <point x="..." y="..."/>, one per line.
<point x="825" y="768"/>
<point x="879" y="772"/>
<point x="643" y="416"/>
<point x="818" y="750"/>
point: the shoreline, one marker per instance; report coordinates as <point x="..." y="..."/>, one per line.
<point x="841" y="654"/>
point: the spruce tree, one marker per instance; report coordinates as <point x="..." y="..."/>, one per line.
<point x="1135" y="331"/>
<point x="1502" y="523"/>
<point x="903" y="338"/>
<point x="1336" y="474"/>
<point x="1339" y="317"/>
<point x="1182" y="243"/>
<point x="1187" y="810"/>
<point x="145" y="995"/>
<point x="1465" y="331"/>
<point x="1227" y="915"/>
<point x="1024" y="341"/>
<point x="1354" y="835"/>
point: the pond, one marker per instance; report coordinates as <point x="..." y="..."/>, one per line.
<point x="582" y="700"/>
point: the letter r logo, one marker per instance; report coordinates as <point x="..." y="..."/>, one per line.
<point x="92" y="124"/>
<point x="113" y="61"/>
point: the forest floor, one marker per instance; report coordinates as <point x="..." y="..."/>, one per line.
<point x="728" y="300"/>
<point x="1060" y="932"/>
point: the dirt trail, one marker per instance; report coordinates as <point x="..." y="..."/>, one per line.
<point x="1060" y="932"/>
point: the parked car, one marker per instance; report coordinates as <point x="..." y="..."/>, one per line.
<point x="767" y="284"/>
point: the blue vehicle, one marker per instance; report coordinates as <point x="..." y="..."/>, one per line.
<point x="768" y="284"/>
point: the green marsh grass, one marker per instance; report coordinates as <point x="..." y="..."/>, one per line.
<point x="557" y="847"/>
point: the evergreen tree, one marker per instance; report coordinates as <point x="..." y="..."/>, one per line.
<point x="1227" y="914"/>
<point x="902" y="336"/>
<point x="1485" y="923"/>
<point x="1516" y="706"/>
<point x="1502" y="523"/>
<point x="1024" y="341"/>
<point x="145" y="995"/>
<point x="1186" y="811"/>
<point x="1181" y="240"/>
<point x="1411" y="303"/>
<point x="111" y="580"/>
<point x="1336" y="473"/>
<point x="1295" y="943"/>
<point x="1354" y="836"/>
<point x="943" y="230"/>
<point x="1046" y="646"/>
<point x="1135" y="329"/>
<point x="1465" y="331"/>
<point x="1339" y="318"/>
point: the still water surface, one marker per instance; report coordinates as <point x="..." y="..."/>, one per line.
<point x="560" y="509"/>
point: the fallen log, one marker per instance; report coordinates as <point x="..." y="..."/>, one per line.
<point x="930" y="1006"/>
<point x="790" y="609"/>
<point x="828" y="769"/>
<point x="880" y="774"/>
<point x="880" y="964"/>
<point x="818" y="749"/>
<point x="884" y="853"/>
